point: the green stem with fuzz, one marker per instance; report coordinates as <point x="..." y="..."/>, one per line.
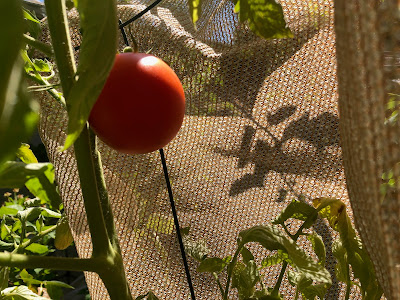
<point x="97" y="205"/>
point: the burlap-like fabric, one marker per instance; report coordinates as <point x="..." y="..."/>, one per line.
<point x="367" y="51"/>
<point x="261" y="129"/>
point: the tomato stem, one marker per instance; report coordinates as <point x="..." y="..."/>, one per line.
<point x="106" y="252"/>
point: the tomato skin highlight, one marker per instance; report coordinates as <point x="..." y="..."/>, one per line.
<point x="141" y="107"/>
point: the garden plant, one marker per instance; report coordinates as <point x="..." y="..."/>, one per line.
<point x="28" y="224"/>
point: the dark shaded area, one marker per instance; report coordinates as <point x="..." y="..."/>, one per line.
<point x="321" y="131"/>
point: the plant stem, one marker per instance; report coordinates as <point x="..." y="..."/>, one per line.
<point x="61" y="41"/>
<point x="49" y="262"/>
<point x="221" y="289"/>
<point x="275" y="291"/>
<point x="111" y="269"/>
<point x="34" y="239"/>
<point x="103" y="194"/>
<point x="42" y="47"/>
<point x="230" y="270"/>
<point x="347" y="291"/>
<point x="53" y="92"/>
<point x="87" y="175"/>
<point x="277" y="286"/>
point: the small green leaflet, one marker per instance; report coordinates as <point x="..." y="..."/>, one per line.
<point x="318" y="247"/>
<point x="28" y="278"/>
<point x="265" y="18"/>
<point x="37" y="177"/>
<point x="15" y="174"/>
<point x="32" y="213"/>
<point x="38" y="248"/>
<point x="212" y="264"/>
<point x="25" y="154"/>
<point x="21" y="292"/>
<point x="300" y="211"/>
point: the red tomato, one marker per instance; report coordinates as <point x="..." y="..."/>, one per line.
<point x="141" y="106"/>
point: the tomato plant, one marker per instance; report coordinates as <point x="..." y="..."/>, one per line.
<point x="141" y="106"/>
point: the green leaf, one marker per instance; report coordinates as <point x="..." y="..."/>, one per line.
<point x="30" y="17"/>
<point x="300" y="211"/>
<point x="212" y="264"/>
<point x="342" y="265"/>
<point x="273" y="238"/>
<point x="275" y="259"/>
<point x="196" y="249"/>
<point x="32" y="213"/>
<point x="97" y="53"/>
<point x="55" y="292"/>
<point x="37" y="177"/>
<point x="55" y="288"/>
<point x="350" y="247"/>
<point x="15" y="174"/>
<point x="45" y="189"/>
<point x="4" y="275"/>
<point x="28" y="278"/>
<point x="4" y="210"/>
<point x="264" y="235"/>
<point x="6" y="246"/>
<point x="247" y="255"/>
<point x="244" y="279"/>
<point x="318" y="247"/>
<point x="330" y="209"/>
<point x="38" y="248"/>
<point x="305" y="285"/>
<point x="32" y="24"/>
<point x="265" y="18"/>
<point x="11" y="36"/>
<point x="25" y="154"/>
<point x="21" y="292"/>
<point x="58" y="284"/>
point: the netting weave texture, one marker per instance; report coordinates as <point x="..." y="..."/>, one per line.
<point x="261" y="128"/>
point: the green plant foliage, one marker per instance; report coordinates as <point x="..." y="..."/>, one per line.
<point x="349" y="250"/>
<point x="25" y="154"/>
<point x="21" y="292"/>
<point x="37" y="177"/>
<point x="273" y="238"/>
<point x="18" y="115"/>
<point x="265" y="18"/>
<point x="300" y="211"/>
<point x="318" y="247"/>
<point x="213" y="264"/>
<point x="97" y="53"/>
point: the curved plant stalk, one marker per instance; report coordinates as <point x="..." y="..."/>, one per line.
<point x="106" y="257"/>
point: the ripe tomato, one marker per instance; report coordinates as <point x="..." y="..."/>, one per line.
<point x="141" y="106"/>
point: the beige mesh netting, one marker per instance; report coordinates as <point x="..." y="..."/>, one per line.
<point x="261" y="128"/>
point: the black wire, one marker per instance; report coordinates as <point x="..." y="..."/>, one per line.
<point x="164" y="164"/>
<point x="154" y="4"/>
<point x="177" y="228"/>
<point x="133" y="19"/>
<point x="123" y="33"/>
